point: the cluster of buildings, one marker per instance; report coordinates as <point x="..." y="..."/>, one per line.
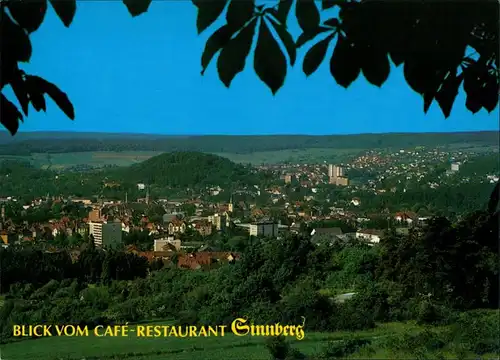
<point x="336" y="176"/>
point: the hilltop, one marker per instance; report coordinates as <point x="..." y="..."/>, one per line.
<point x="28" y="143"/>
<point x="187" y="169"/>
<point x="176" y="170"/>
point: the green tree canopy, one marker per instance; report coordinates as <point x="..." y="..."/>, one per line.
<point x="440" y="44"/>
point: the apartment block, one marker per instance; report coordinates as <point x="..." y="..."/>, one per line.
<point x="265" y="228"/>
<point x="106" y="234"/>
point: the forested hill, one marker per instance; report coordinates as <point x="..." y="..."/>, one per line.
<point x="187" y="169"/>
<point x="27" y="143"/>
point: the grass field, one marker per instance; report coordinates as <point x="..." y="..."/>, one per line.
<point x="206" y="348"/>
<point x="203" y="348"/>
<point x="60" y="161"/>
<point x="126" y="158"/>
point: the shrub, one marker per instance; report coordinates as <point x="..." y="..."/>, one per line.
<point x="278" y="347"/>
<point x="431" y="313"/>
<point x="187" y="317"/>
<point x="343" y="348"/>
<point x="305" y="301"/>
<point x="477" y="331"/>
<point x="45" y="291"/>
<point x="263" y="312"/>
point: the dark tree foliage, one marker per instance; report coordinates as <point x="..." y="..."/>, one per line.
<point x="187" y="169"/>
<point x="18" y="19"/>
<point x="36" y="267"/>
<point x="441" y="45"/>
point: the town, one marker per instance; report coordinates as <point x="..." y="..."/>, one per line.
<point x="360" y="199"/>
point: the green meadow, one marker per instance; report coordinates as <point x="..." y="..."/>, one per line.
<point x="60" y="161"/>
<point x="217" y="348"/>
<point x="205" y="348"/>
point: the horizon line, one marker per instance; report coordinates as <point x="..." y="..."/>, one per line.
<point x="228" y="135"/>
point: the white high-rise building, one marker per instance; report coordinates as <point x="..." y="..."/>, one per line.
<point x="335" y="171"/>
<point x="330" y="170"/>
<point x="106" y="234"/>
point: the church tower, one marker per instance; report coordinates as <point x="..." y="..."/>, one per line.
<point x="230" y="207"/>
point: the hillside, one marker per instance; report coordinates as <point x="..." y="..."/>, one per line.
<point x="187" y="169"/>
<point x="28" y="143"/>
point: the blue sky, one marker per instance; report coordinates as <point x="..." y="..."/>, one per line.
<point x="142" y="74"/>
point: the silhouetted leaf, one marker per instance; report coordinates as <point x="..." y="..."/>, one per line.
<point x="473" y="103"/>
<point x="494" y="198"/>
<point x="269" y="61"/>
<point x="344" y="63"/>
<point x="472" y="87"/>
<point x="413" y="72"/>
<point x="284" y="7"/>
<point x="65" y="10"/>
<point x="327" y="4"/>
<point x="28" y="14"/>
<point x="38" y="101"/>
<point x="489" y="92"/>
<point x="239" y="12"/>
<point x="334" y="22"/>
<point x="307" y="15"/>
<point x="287" y="40"/>
<point x="472" y="78"/>
<point x="233" y="56"/>
<point x="315" y="55"/>
<point x="16" y="45"/>
<point x="446" y="95"/>
<point x="375" y="66"/>
<point x="215" y="42"/>
<point x="208" y="12"/>
<point x="137" y="7"/>
<point x="309" y="35"/>
<point x="20" y="90"/>
<point x="428" y="99"/>
<point x="9" y="115"/>
<point x="59" y="97"/>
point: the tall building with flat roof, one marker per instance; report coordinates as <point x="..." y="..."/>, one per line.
<point x="336" y="175"/>
<point x="106" y="234"/>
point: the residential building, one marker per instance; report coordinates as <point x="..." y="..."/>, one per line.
<point x="106" y="234"/>
<point x="335" y="171"/>
<point x="168" y="217"/>
<point x="370" y="235"/>
<point x="85" y="202"/>
<point x="95" y="215"/>
<point x="321" y="235"/>
<point x="167" y="244"/>
<point x="220" y="221"/>
<point x="204" y="228"/>
<point x="341" y="181"/>
<point x="455" y="167"/>
<point x="264" y="228"/>
<point x="407" y="217"/>
<point x="176" y="226"/>
<point x="288" y="179"/>
<point x="336" y="175"/>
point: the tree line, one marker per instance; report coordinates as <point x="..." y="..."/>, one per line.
<point x="24" y="145"/>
